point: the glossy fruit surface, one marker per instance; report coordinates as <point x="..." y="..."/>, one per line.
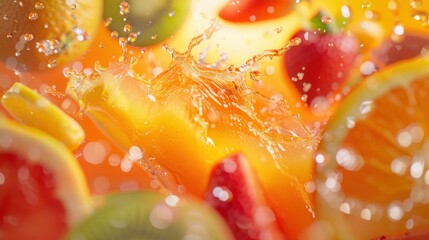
<point x="42" y="185"/>
<point x="236" y="194"/>
<point x="255" y="10"/>
<point x="368" y="145"/>
<point x="38" y="35"/>
<point x="147" y="22"/>
<point x="151" y="216"/>
<point x="321" y="63"/>
<point x="30" y="108"/>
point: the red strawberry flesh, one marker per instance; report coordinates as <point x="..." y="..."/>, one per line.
<point x="235" y="193"/>
<point x="321" y="63"/>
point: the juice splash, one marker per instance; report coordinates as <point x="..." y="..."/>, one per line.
<point x="190" y="116"/>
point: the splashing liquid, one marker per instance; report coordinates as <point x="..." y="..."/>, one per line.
<point x="190" y="116"/>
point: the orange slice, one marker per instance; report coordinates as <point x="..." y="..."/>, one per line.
<point x="372" y="163"/>
<point x="42" y="190"/>
<point x="29" y="107"/>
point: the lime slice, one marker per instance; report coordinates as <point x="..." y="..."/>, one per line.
<point x="32" y="109"/>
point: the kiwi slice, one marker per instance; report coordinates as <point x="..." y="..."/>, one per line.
<point x="150" y="216"/>
<point x="153" y="20"/>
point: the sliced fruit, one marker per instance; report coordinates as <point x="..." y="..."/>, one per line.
<point x="150" y="21"/>
<point x="189" y="117"/>
<point x="322" y="62"/>
<point x="151" y="216"/>
<point x="42" y="190"/>
<point x="412" y="45"/>
<point x="30" y="108"/>
<point x="254" y="10"/>
<point x="372" y="171"/>
<point x="37" y="35"/>
<point x="235" y="193"/>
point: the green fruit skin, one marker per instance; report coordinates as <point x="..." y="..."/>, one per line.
<point x="150" y="216"/>
<point x="152" y="29"/>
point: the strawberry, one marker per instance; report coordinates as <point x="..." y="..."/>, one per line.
<point x="322" y="61"/>
<point x="235" y="193"/>
<point x="255" y="10"/>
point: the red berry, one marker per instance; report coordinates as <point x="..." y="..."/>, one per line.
<point x="255" y="10"/>
<point x="235" y="193"/>
<point x="320" y="63"/>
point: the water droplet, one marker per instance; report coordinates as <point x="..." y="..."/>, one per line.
<point x="28" y="37"/>
<point x="127" y="28"/>
<point x="73" y="7"/>
<point x="414" y="4"/>
<point x="153" y="37"/>
<point x="420" y="16"/>
<point x="81" y="34"/>
<point x="348" y="159"/>
<point x="393" y="5"/>
<point x="366" y="107"/>
<point x="395" y="211"/>
<point x="108" y="21"/>
<point x="367" y="68"/>
<point x="366" y="4"/>
<point x="48" y="47"/>
<point x="52" y="63"/>
<point x="398" y="29"/>
<point x="256" y="76"/>
<point x="366" y="214"/>
<point x="132" y="37"/>
<point x="404" y="138"/>
<point x="124" y="8"/>
<point x="33" y="16"/>
<point x="39" y="5"/>
<point x="399" y="166"/>
<point x="326" y="19"/>
<point x="229" y="166"/>
<point x="345" y="11"/>
<point x="222" y="193"/>
<point x="114" y="34"/>
<point x="171" y="14"/>
<point x="5" y="17"/>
